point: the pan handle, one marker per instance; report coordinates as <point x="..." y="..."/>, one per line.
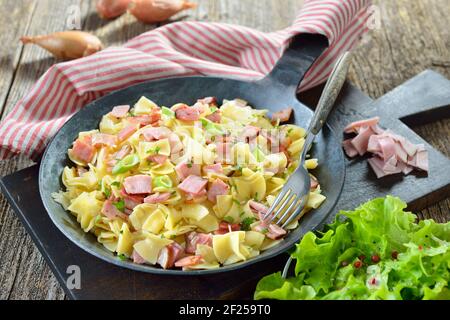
<point x="300" y="54"/>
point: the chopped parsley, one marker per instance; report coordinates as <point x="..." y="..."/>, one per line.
<point x="122" y="257"/>
<point x="255" y="197"/>
<point x="120" y="205"/>
<point x="213" y="109"/>
<point x="98" y="218"/>
<point x="107" y="192"/>
<point x="228" y="219"/>
<point x="236" y="201"/>
<point x="189" y="164"/>
<point x="154" y="150"/>
<point x="115" y="184"/>
<point x="245" y="224"/>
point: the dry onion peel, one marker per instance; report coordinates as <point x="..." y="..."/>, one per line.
<point x="152" y="11"/>
<point x="67" y="44"/>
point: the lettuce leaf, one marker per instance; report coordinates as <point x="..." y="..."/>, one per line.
<point x="400" y="259"/>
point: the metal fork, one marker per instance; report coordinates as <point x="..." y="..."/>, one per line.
<point x="291" y="200"/>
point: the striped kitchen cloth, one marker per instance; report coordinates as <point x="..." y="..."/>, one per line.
<point x="177" y="49"/>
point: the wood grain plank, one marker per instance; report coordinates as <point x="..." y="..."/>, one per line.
<point x="14" y="24"/>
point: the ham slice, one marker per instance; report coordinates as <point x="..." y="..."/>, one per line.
<point x="131" y="201"/>
<point x="83" y="150"/>
<point x="188" y="261"/>
<point x="99" y="139"/>
<point x="275" y="232"/>
<point x="126" y="132"/>
<point x="184" y="169"/>
<point x="193" y="185"/>
<point x="218" y="187"/>
<point x="257" y="207"/>
<point x="175" y="143"/>
<point x="392" y="152"/>
<point x="223" y="151"/>
<point x="138" y="184"/>
<point x="355" y="126"/>
<point x="193" y="238"/>
<point x="314" y="182"/>
<point x="110" y="210"/>
<point x="187" y="113"/>
<point x="213" y="168"/>
<point x="225" y="227"/>
<point x="349" y="149"/>
<point x="157" y="197"/>
<point x="249" y="133"/>
<point x="282" y="115"/>
<point x="169" y="254"/>
<point x="158" y="158"/>
<point x="361" y="141"/>
<point x="137" y="258"/>
<point x="214" y="117"/>
<point x="208" y="101"/>
<point x="156" y="133"/>
<point x="120" y="111"/>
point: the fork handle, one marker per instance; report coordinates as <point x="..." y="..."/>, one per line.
<point x="330" y="93"/>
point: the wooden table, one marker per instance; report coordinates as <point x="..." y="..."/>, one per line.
<point x="414" y="36"/>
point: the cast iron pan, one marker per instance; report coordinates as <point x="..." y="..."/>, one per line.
<point x="274" y="92"/>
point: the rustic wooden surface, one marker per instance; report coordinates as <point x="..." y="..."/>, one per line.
<point x="414" y="36"/>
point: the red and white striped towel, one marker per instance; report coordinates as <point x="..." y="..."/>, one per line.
<point x="177" y="49"/>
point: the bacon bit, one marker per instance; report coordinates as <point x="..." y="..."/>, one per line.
<point x="344" y="263"/>
<point x="420" y="247"/>
<point x="373" y="281"/>
<point x="394" y="254"/>
<point x="375" y="258"/>
<point x="358" y="264"/>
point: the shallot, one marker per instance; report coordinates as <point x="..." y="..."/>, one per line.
<point x="67" y="44"/>
<point x="108" y="9"/>
<point x="151" y="11"/>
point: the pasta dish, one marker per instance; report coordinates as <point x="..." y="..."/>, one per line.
<point x="186" y="186"/>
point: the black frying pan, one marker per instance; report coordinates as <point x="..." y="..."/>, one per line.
<point x="274" y="92"/>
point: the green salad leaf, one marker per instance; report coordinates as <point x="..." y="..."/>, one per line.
<point x="376" y="251"/>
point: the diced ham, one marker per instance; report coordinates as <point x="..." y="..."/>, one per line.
<point x="223" y="151"/>
<point x="184" y="169"/>
<point x="187" y="113"/>
<point x="146" y="119"/>
<point x="188" y="261"/>
<point x="83" y="150"/>
<point x="275" y="232"/>
<point x="361" y="141"/>
<point x="138" y="184"/>
<point x="99" y="139"/>
<point x="131" y="201"/>
<point x="158" y="158"/>
<point x="314" y="182"/>
<point x="120" y="111"/>
<point x="169" y="254"/>
<point x="156" y="133"/>
<point x="137" y="258"/>
<point x="257" y="207"/>
<point x="386" y="147"/>
<point x="218" y="187"/>
<point x="110" y="210"/>
<point x="126" y="132"/>
<point x="175" y="143"/>
<point x="249" y="133"/>
<point x="193" y="238"/>
<point x="355" y="126"/>
<point x="125" y="150"/>
<point x="193" y="184"/>
<point x="282" y="115"/>
<point x="157" y="197"/>
<point x="349" y="149"/>
<point x="213" y="168"/>
<point x="214" y="117"/>
<point x="208" y="101"/>
<point x="196" y="198"/>
<point x="225" y="227"/>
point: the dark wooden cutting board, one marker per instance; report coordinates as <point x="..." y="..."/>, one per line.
<point x="424" y="98"/>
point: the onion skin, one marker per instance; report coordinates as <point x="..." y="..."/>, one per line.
<point x="153" y="11"/>
<point x="110" y="9"/>
<point x="67" y="45"/>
